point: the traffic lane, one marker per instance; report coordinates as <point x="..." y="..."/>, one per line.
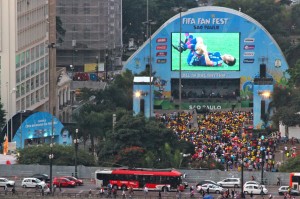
<point x="90" y="185"/>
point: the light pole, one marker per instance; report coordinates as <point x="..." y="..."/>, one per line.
<point x="51" y="156"/>
<point x="10" y="113"/>
<point x="72" y="69"/>
<point x="180" y="10"/>
<point x="21" y="130"/>
<point x="262" y="162"/>
<point x="242" y="176"/>
<point x="149" y="23"/>
<point x="97" y="67"/>
<point x="76" y="141"/>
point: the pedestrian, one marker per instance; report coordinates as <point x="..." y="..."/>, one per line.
<point x="90" y="193"/>
<point x="145" y="190"/>
<point x="262" y="191"/>
<point x="130" y="192"/>
<point x="43" y="192"/>
<point x="123" y="194"/>
<point x="232" y="193"/>
<point x="5" y="189"/>
<point x="207" y="191"/>
<point x="114" y="191"/>
<point x="13" y="190"/>
<point x="252" y="178"/>
<point x="251" y="194"/>
<point x="278" y="181"/>
<point x="270" y="196"/>
<point x="59" y="186"/>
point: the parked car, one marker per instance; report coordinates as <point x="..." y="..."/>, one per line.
<point x="8" y="183"/>
<point x="253" y="183"/>
<point x="206" y="182"/>
<point x="212" y="188"/>
<point x="255" y="189"/>
<point x="284" y="189"/>
<point x="63" y="182"/>
<point x="32" y="182"/>
<point x="230" y="182"/>
<point x="42" y="177"/>
<point x="76" y="180"/>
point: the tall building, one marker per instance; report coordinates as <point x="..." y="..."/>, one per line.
<point x="90" y="31"/>
<point x="24" y="55"/>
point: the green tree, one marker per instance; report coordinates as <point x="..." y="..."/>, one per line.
<point x="147" y="142"/>
<point x="2" y="120"/>
<point x="63" y="155"/>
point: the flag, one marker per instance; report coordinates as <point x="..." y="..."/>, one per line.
<point x="5" y="145"/>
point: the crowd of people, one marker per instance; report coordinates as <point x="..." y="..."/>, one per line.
<point x="223" y="137"/>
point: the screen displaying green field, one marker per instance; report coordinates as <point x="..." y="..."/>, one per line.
<point x="217" y="45"/>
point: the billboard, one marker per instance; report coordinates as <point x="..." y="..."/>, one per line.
<point x="219" y="46"/>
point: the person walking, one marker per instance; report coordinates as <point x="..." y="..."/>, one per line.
<point x="251" y="194"/>
<point x="278" y="181"/>
<point x="145" y="191"/>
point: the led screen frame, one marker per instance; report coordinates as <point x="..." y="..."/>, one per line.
<point x="224" y="43"/>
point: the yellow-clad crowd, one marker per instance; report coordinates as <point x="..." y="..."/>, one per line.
<point x="222" y="136"/>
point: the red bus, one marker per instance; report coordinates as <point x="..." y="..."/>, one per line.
<point x="154" y="179"/>
<point x="295" y="180"/>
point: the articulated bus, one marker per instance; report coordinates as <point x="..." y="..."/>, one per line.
<point x="153" y="179"/>
<point x="295" y="181"/>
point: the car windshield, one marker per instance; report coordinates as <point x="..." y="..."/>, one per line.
<point x="5" y="180"/>
<point x="38" y="181"/>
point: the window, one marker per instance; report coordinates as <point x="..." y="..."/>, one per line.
<point x="18" y="78"/>
<point x="42" y="49"/>
<point x="27" y="100"/>
<point x="42" y="64"/>
<point x="37" y="81"/>
<point x="75" y="9"/>
<point x="28" y="71"/>
<point x="18" y="61"/>
<point x="32" y="67"/>
<point x="27" y="86"/>
<point x="37" y="51"/>
<point x="42" y="78"/>
<point x="32" y="52"/>
<point x="37" y="66"/>
<point x="86" y="8"/>
<point x="27" y="56"/>
<point x="22" y="58"/>
<point x="32" y="83"/>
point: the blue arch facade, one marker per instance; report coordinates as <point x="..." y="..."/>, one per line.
<point x="222" y="29"/>
<point x="38" y="128"/>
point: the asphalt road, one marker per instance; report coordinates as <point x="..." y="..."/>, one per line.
<point x="83" y="192"/>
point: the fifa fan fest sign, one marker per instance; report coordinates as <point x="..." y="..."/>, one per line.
<point x="209" y="43"/>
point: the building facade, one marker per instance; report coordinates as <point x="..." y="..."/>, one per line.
<point x="90" y="32"/>
<point x="24" y="57"/>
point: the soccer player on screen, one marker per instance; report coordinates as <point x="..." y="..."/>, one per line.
<point x="199" y="56"/>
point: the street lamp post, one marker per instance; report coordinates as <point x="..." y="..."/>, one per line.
<point x="180" y="10"/>
<point x="10" y="113"/>
<point x="51" y="156"/>
<point x="76" y="141"/>
<point x="262" y="162"/>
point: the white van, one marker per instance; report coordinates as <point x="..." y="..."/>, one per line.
<point x="33" y="182"/>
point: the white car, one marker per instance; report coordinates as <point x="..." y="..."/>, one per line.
<point x="33" y="182"/>
<point x="212" y="188"/>
<point x="253" y="183"/>
<point x="5" y="181"/>
<point x="255" y="189"/>
<point x="230" y="182"/>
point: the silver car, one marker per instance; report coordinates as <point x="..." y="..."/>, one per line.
<point x="5" y="181"/>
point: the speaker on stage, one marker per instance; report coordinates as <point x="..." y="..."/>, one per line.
<point x="262" y="70"/>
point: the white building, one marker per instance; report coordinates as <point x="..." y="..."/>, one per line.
<point x="24" y="59"/>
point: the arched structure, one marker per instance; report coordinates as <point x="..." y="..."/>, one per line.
<point x="260" y="64"/>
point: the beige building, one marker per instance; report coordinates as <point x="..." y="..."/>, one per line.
<point x="28" y="77"/>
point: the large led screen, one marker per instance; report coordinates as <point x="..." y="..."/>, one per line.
<point x="206" y="51"/>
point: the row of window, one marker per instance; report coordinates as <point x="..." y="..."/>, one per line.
<point x="31" y="55"/>
<point x="32" y="34"/>
<point x="31" y="69"/>
<point x="140" y="178"/>
<point x="34" y="16"/>
<point x="32" y="98"/>
<point x="32" y="84"/>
